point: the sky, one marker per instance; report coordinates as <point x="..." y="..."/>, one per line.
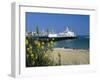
<point x="58" y="22"/>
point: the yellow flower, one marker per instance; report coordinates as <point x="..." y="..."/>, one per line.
<point x="42" y="47"/>
<point x="38" y="44"/>
<point x="26" y="41"/>
<point x="51" y="42"/>
<point x="30" y="46"/>
<point x="32" y="55"/>
<point x="35" y="42"/>
<point x="28" y="49"/>
<point x="42" y="43"/>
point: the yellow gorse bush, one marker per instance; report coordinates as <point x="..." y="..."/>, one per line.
<point x="38" y="52"/>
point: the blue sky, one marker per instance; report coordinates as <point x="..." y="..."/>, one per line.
<point x="58" y="22"/>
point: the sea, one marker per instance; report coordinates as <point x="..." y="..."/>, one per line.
<point x="81" y="42"/>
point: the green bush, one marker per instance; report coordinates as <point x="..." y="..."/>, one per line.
<point x="38" y="52"/>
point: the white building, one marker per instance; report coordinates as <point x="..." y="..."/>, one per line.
<point x="52" y="35"/>
<point x="67" y="33"/>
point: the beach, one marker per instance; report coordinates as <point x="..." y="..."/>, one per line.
<point x="63" y="56"/>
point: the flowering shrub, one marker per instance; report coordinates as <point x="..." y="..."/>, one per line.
<point x="38" y="52"/>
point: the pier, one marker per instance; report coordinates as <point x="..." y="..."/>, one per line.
<point x="46" y="38"/>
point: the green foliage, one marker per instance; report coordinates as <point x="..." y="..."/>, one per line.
<point x="38" y="52"/>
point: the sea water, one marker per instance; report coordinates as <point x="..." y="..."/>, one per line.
<point x="81" y="42"/>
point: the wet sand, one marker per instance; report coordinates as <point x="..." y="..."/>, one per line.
<point x="63" y="56"/>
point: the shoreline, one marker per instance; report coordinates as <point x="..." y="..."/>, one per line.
<point x="70" y="49"/>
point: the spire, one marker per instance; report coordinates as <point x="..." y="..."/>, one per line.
<point x="67" y="29"/>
